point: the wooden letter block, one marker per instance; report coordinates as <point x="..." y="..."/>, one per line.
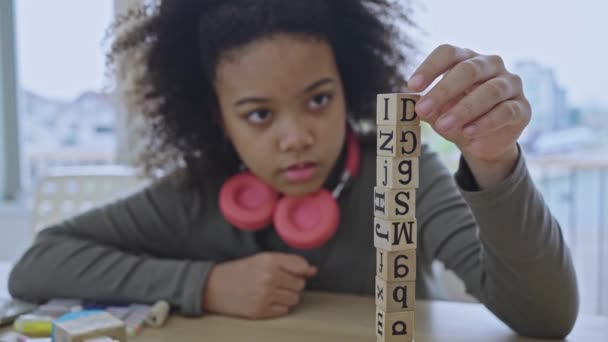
<point x="397" y="173"/>
<point x="398" y="141"/>
<point x="397" y="265"/>
<point x="395" y="235"/>
<point x="394" y="326"/>
<point x="393" y="109"/>
<point x="395" y="296"/>
<point x="394" y="204"/>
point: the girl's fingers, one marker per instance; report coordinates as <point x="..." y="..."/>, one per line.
<point x="276" y="310"/>
<point x="448" y="106"/>
<point x="507" y="113"/>
<point x="458" y="81"/>
<point x="477" y="103"/>
<point x="437" y="63"/>
<point x="295" y="264"/>
<point x="286" y="297"/>
<point x="286" y="280"/>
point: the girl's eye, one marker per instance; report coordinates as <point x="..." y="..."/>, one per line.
<point x="319" y="101"/>
<point x="258" y="116"/>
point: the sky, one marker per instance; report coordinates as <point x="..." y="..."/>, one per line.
<point x="568" y="36"/>
<point x="59" y="50"/>
<point x="60" y="53"/>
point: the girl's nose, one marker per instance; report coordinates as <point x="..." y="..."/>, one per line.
<point x="295" y="138"/>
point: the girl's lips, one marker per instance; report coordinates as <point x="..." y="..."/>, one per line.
<point x="301" y="172"/>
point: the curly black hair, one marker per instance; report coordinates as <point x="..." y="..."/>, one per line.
<point x="163" y="57"/>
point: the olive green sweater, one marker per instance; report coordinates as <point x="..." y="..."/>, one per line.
<point x="161" y="242"/>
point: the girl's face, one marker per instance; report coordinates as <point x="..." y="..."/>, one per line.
<point x="282" y="106"/>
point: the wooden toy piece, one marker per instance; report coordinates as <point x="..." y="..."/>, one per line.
<point x="394" y="326"/>
<point x="79" y="327"/>
<point x="394" y="204"/>
<point x="395" y="235"/>
<point x="397" y="173"/>
<point x="395" y="296"/>
<point x="396" y="265"/>
<point x="398" y="141"/>
<point x="398" y="108"/>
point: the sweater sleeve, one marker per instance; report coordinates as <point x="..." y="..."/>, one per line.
<point x="504" y="243"/>
<point x="124" y="251"/>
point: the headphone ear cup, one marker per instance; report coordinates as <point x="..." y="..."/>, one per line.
<point x="246" y="202"/>
<point x="307" y="222"/>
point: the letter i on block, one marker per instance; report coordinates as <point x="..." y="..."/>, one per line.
<point x="395" y="230"/>
<point x="398" y="125"/>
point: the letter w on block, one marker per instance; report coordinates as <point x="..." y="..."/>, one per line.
<point x="395" y="235"/>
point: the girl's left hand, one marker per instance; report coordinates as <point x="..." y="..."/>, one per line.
<point x="478" y="105"/>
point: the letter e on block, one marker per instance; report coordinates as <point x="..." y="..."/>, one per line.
<point x="396" y="265"/>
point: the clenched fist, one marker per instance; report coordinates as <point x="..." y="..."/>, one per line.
<point x="265" y="285"/>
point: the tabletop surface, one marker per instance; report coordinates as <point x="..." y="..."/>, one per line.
<point x="328" y="317"/>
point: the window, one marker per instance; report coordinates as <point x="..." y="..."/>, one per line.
<point x="66" y="116"/>
<point x="556" y="48"/>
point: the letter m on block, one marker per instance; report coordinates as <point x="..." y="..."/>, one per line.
<point x="403" y="230"/>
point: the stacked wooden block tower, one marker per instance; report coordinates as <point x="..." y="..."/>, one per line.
<point x="397" y="163"/>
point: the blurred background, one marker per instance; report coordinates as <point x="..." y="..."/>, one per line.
<point x="56" y="110"/>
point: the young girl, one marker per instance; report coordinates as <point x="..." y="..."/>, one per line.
<point x="267" y="87"/>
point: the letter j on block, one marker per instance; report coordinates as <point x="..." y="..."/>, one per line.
<point x="397" y="109"/>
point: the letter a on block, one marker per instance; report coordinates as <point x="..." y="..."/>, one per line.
<point x="394" y="326"/>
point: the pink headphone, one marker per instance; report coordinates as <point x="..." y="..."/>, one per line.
<point x="302" y="222"/>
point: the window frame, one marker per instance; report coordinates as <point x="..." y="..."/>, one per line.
<point x="10" y="162"/>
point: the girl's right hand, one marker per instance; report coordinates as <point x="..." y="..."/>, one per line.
<point x="264" y="285"/>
